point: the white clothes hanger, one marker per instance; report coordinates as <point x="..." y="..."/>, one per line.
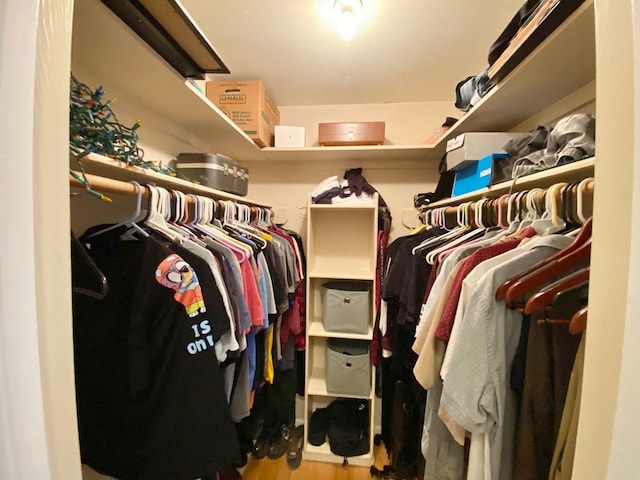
<point x="582" y="186"/>
<point x="512" y="218"/>
<point x="532" y="213"/>
<point x="130" y="222"/>
<point x="557" y="222"/>
<point x="155" y="218"/>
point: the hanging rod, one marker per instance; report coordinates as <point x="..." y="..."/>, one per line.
<point x="446" y="213"/>
<point x="452" y="209"/>
<point x="109" y="185"/>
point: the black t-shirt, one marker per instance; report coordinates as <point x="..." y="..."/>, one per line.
<point x="151" y="402"/>
<point x="217" y="314"/>
<point x="406" y="280"/>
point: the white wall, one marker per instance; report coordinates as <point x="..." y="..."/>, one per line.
<point x="38" y="437"/>
<point x="623" y="461"/>
<point x="610" y="254"/>
<point x="51" y="222"/>
<point x="405" y="123"/>
<point x="287" y="185"/>
<point x="23" y="442"/>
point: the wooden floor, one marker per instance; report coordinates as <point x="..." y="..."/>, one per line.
<point x="266" y="469"/>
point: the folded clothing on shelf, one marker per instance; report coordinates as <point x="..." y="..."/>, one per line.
<point x="572" y="139"/>
<point x="354" y="190"/>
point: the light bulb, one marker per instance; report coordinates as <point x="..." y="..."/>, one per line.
<point x="347" y="12"/>
<point x="348" y="23"/>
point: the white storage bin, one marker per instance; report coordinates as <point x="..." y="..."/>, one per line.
<point x="346" y="307"/>
<point x="348" y="367"/>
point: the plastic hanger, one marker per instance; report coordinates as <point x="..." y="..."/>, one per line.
<point x="582" y="186"/>
<point x="155" y="218"/>
<point x="544" y="224"/>
<point x="101" y="279"/>
<point x="512" y="218"/>
<point x="131" y="221"/>
<point x="584" y="235"/>
<point x="464" y="226"/>
<point x="501" y="202"/>
<point x="546" y="296"/>
<point x="531" y="213"/>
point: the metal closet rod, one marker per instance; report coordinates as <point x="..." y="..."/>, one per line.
<point x="109" y="185"/>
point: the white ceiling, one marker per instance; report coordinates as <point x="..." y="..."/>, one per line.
<point x="404" y="51"/>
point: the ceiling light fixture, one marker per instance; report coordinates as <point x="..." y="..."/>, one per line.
<point x="347" y="12"/>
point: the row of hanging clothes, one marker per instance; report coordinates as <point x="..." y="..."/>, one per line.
<point x="482" y="318"/>
<point x="185" y="316"/>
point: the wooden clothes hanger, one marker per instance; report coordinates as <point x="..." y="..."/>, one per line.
<point x="546" y="296"/>
<point x="578" y="322"/>
<point x="583" y="236"/>
<point x="533" y="279"/>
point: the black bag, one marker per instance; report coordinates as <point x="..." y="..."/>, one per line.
<point x="346" y="422"/>
<point x="349" y="427"/>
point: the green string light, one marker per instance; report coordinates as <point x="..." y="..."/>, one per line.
<point x="94" y="127"/>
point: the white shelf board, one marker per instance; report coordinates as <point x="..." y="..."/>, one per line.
<point x="337" y="275"/>
<point x="316" y="329"/>
<point x="565" y="173"/>
<point x="354" y="153"/>
<point x="322" y="453"/>
<point x="100" y="40"/>
<point x="562" y="63"/>
<point x="342" y="207"/>
<point x="110" y="168"/>
<point x="318" y="386"/>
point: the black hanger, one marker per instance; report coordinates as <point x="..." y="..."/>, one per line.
<point x="101" y="292"/>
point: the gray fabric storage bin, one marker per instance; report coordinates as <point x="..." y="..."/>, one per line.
<point x="346" y="307"/>
<point x="348" y="367"/>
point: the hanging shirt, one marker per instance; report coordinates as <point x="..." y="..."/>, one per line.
<point x="477" y="361"/>
<point x="200" y="258"/>
<point x="151" y="399"/>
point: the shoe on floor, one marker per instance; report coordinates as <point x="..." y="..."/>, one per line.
<point x="279" y="443"/>
<point x="294" y="450"/>
<point x="260" y="448"/>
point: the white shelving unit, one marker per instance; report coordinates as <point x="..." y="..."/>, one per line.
<point x="341" y="245"/>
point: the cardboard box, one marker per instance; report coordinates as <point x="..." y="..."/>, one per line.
<point x="469" y="147"/>
<point x="289" y="136"/>
<point x="475" y="175"/>
<point x="250" y="107"/>
<point x="351" y="133"/>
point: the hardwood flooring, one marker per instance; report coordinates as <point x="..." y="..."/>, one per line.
<point x="266" y="469"/>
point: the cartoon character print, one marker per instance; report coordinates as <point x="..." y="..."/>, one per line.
<point x="173" y="272"/>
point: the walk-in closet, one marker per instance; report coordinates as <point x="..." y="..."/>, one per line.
<point x="415" y="255"/>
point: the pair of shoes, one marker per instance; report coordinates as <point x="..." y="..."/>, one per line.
<point x="294" y="449"/>
<point x="279" y="443"/>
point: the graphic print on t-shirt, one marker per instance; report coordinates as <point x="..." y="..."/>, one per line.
<point x="173" y="272"/>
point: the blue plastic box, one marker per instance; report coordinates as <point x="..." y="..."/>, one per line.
<point x="475" y="176"/>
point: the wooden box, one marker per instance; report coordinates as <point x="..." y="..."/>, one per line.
<point x="351" y="133"/>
